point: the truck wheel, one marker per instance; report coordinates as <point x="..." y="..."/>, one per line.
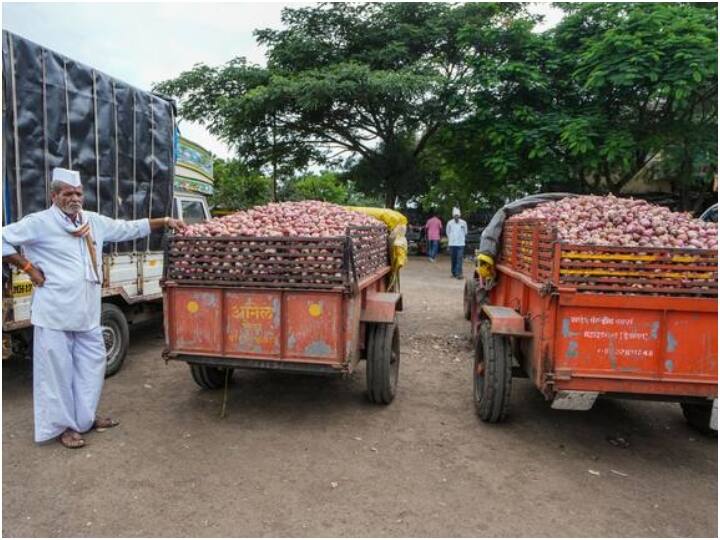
<point x="492" y="375"/>
<point x="383" y="362"/>
<point x="116" y="336"/>
<point x="468" y="297"/>
<point x="209" y="378"/>
<point x="698" y="416"/>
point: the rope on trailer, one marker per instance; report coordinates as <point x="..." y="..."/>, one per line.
<point x="225" y="392"/>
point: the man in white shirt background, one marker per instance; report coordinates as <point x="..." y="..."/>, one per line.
<point x="62" y="255"/>
<point x="456" y="231"/>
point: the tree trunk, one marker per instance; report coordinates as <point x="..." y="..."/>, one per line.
<point x="274" y="161"/>
<point x="682" y="182"/>
<point x="390" y="198"/>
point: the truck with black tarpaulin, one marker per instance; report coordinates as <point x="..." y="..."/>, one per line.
<point x="122" y="140"/>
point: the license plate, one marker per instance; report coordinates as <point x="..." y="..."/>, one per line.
<point x="22" y="288"/>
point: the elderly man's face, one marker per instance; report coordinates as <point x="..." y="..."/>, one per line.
<point x="69" y="199"/>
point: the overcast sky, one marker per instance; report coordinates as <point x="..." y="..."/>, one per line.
<point x="144" y="43"/>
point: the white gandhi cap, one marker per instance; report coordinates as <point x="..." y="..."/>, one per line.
<point x="66" y="176"/>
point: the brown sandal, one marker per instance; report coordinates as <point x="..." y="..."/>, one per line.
<point x="71" y="439"/>
<point x="104" y="423"/>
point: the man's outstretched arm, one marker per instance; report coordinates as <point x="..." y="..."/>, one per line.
<point x="118" y="230"/>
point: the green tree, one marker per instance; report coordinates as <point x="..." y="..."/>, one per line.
<point x="325" y="186"/>
<point x="589" y="104"/>
<point x="238" y="186"/>
<point x="365" y="80"/>
<point x="504" y="148"/>
<point x="640" y="84"/>
<point x="211" y="96"/>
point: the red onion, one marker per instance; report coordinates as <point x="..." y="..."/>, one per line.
<point x="306" y="218"/>
<point x="614" y="221"/>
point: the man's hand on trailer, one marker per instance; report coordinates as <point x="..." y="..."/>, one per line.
<point x="170" y="223"/>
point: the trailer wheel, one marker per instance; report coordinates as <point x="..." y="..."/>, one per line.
<point x="468" y="297"/>
<point x="116" y="336"/>
<point x="383" y="362"/>
<point x="492" y="375"/>
<point x="208" y="377"/>
<point x="698" y="416"/>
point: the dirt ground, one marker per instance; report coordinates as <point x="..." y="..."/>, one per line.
<point x="305" y="456"/>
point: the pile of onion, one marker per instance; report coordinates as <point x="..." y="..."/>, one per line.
<point x="306" y="218"/>
<point x="613" y="221"/>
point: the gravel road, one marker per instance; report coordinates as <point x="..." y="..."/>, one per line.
<point x="305" y="456"/>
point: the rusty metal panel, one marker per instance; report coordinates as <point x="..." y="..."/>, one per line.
<point x="380" y="307"/>
<point x="196" y="320"/>
<point x="314" y="324"/>
<point x="599" y="340"/>
<point x="656" y="346"/>
<point x="354" y="331"/>
<point x="252" y="323"/>
<point x="504" y="320"/>
<point x="647" y="345"/>
<point x="690" y="348"/>
<point x="628" y="384"/>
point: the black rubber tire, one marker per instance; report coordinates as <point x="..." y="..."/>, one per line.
<point x="383" y="362"/>
<point x="208" y="377"/>
<point x="492" y="375"/>
<point x="116" y="336"/>
<point x="468" y="297"/>
<point x="698" y="416"/>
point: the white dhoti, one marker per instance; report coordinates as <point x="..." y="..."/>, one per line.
<point x="68" y="376"/>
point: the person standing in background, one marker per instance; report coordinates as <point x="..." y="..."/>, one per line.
<point x="433" y="229"/>
<point x="456" y="231"/>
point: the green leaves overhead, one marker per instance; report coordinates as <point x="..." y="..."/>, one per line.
<point x="238" y="187"/>
<point x="466" y="101"/>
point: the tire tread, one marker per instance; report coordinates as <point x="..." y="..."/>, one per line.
<point x="380" y="342"/>
<point x="494" y="404"/>
<point x="207" y="379"/>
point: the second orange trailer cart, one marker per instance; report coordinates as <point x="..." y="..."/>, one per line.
<point x="585" y="321"/>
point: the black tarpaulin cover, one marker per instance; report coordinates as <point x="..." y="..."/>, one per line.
<point x="60" y="113"/>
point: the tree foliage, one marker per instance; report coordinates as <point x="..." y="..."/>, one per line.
<point x="467" y="104"/>
<point x="611" y="91"/>
<point x="645" y="77"/>
<point x="238" y="186"/>
<point x="325" y="186"/>
<point x="375" y="81"/>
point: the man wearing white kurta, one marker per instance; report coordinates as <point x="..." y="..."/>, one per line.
<point x="62" y="254"/>
<point x="456" y="230"/>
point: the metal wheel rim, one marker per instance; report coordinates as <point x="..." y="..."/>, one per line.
<point x="111" y="338"/>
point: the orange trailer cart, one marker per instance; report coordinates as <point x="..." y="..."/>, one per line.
<point x="304" y="305"/>
<point x="585" y="321"/>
